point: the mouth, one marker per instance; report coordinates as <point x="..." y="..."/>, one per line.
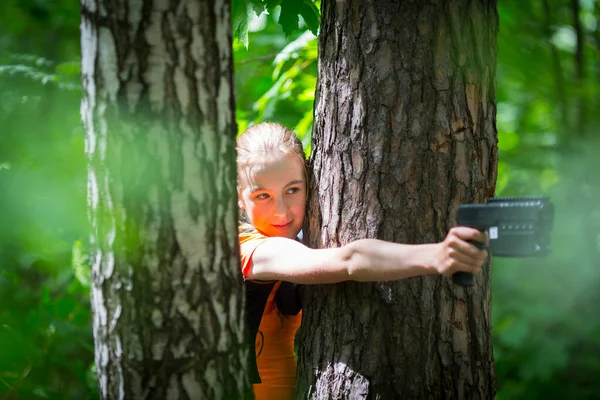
<point x="283" y="226"/>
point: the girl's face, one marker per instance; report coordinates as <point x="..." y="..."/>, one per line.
<point x="273" y="193"/>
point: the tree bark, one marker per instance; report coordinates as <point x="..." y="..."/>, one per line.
<point x="158" y="110"/>
<point x="404" y="132"/>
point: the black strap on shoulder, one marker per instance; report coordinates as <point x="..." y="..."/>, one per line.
<point x="287" y="300"/>
<point x="257" y="293"/>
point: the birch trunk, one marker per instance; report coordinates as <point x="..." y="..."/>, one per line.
<point x="158" y="112"/>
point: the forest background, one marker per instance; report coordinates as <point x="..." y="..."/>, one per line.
<point x="546" y="322"/>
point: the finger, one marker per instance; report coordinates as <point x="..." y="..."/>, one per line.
<point x="468" y="267"/>
<point x="461" y="258"/>
<point x="469" y="249"/>
<point x="467" y="264"/>
<point x="487" y="238"/>
<point x="459" y="266"/>
<point x="466" y="233"/>
<point x="456" y="261"/>
<point x="479" y="252"/>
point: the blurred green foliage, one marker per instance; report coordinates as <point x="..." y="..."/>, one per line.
<point x="46" y="345"/>
<point x="546" y="330"/>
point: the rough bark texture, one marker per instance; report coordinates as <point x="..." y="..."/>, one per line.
<point x="158" y="111"/>
<point x="404" y="132"/>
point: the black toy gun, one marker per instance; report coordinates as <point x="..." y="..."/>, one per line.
<point x="517" y="227"/>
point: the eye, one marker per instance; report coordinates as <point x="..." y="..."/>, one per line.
<point x="261" y="196"/>
<point x="293" y="190"/>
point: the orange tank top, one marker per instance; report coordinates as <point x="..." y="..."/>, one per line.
<point x="274" y="344"/>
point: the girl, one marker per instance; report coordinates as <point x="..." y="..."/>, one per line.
<point x="272" y="192"/>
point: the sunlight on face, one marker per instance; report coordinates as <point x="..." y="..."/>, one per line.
<point x="273" y="194"/>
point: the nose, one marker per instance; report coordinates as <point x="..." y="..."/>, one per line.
<point x="281" y="207"/>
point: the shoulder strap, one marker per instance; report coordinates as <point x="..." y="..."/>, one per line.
<point x="258" y="294"/>
<point x="288" y="298"/>
<point x="270" y="303"/>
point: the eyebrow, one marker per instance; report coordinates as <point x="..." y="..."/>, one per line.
<point x="294" y="182"/>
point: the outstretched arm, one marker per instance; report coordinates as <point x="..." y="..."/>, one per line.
<point x="366" y="259"/>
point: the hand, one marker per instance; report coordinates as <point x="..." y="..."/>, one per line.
<point x="456" y="254"/>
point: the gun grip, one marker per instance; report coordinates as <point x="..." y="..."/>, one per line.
<point x="467" y="278"/>
<point x="463" y="278"/>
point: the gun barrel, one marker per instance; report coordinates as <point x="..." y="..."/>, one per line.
<point x="517" y="227"/>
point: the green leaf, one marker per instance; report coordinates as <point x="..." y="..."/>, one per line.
<point x="291" y="9"/>
<point x="305" y="45"/>
<point x="81" y="269"/>
<point x="310" y="14"/>
<point x="242" y="11"/>
<point x="271" y="4"/>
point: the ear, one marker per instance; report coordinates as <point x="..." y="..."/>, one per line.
<point x="241" y="204"/>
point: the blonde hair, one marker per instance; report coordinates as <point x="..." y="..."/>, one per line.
<point x="266" y="140"/>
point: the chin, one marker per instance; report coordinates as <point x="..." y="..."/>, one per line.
<point x="295" y="235"/>
<point x="287" y="235"/>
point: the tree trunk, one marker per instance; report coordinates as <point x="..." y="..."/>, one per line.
<point x="404" y="132"/>
<point x="158" y="111"/>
